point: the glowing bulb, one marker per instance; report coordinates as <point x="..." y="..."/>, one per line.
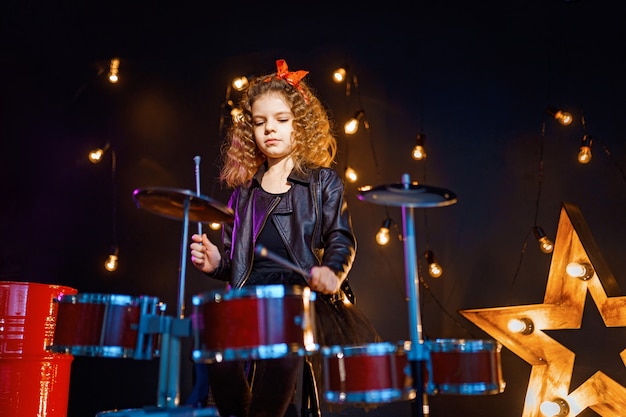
<point x="545" y="244"/>
<point x="215" y="226"/>
<point x="435" y="270"/>
<point x="351" y="126"/>
<point x="95" y="156"/>
<point x="563" y="117"/>
<point x="554" y="408"/>
<point x="111" y="263"/>
<point x="418" y="153"/>
<point x="584" y="155"/>
<point x="237" y="114"/>
<point x="339" y="75"/>
<point x="382" y="237"/>
<point x="114" y="70"/>
<point x="351" y="175"/>
<point x="522" y="326"/>
<point x="240" y="83"/>
<point x="582" y="270"/>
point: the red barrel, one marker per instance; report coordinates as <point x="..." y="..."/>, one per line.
<point x="34" y="382"/>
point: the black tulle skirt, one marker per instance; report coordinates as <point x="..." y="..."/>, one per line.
<point x="338" y="322"/>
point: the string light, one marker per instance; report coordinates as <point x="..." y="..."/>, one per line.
<point x="418" y="153"/>
<point x="352" y="125"/>
<point x="434" y="269"/>
<point x="339" y="75"/>
<point x="351" y="175"/>
<point x="545" y="244"/>
<point x="114" y="70"/>
<point x="111" y="262"/>
<point x="95" y="156"/>
<point x="383" y="236"/>
<point x="584" y="154"/>
<point x="561" y="116"/>
<point x="240" y="83"/>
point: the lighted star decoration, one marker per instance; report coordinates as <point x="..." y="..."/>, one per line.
<point x="562" y="308"/>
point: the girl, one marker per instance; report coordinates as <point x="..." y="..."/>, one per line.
<point x="278" y="159"/>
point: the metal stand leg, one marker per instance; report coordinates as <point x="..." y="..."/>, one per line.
<point x="418" y="355"/>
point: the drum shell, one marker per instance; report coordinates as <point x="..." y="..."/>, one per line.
<point x="371" y="373"/>
<point x="256" y="322"/>
<point x="465" y="367"/>
<point x="107" y="325"/>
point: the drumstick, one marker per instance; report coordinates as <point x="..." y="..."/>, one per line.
<point x="261" y="250"/>
<point x="196" y="160"/>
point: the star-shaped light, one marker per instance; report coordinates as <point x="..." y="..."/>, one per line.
<point x="562" y="308"/>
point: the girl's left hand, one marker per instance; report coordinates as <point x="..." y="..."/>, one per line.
<point x="324" y="280"/>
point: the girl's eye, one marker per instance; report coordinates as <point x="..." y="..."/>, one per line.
<point x="259" y="123"/>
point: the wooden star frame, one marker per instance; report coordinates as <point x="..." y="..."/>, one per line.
<point x="562" y="308"/>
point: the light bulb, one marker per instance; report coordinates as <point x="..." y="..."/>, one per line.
<point x="581" y="270"/>
<point x="523" y="326"/>
<point x="114" y="70"/>
<point x="382" y="237"/>
<point x="351" y="175"/>
<point x="111" y="263"/>
<point x="554" y="408"/>
<point x="339" y="75"/>
<point x="434" y="269"/>
<point x="561" y="116"/>
<point x="215" y="226"/>
<point x="96" y="155"/>
<point x="240" y="83"/>
<point x="584" y="154"/>
<point x="351" y="127"/>
<point x="418" y="153"/>
<point x="545" y="244"/>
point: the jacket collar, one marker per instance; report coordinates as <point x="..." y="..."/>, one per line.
<point x="303" y="178"/>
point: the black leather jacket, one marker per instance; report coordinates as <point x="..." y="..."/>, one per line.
<point x="312" y="218"/>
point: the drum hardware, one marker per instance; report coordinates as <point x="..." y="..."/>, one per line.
<point x="182" y="205"/>
<point x="410" y="195"/>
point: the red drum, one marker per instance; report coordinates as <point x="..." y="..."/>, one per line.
<point x="372" y="373"/>
<point x="466" y="367"/>
<point x="108" y="325"/>
<point x="254" y="322"/>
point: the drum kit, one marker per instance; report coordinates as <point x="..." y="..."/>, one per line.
<point x="273" y="321"/>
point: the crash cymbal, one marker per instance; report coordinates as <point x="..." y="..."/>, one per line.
<point x="170" y="203"/>
<point x="407" y="195"/>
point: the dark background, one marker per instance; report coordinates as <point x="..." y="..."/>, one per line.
<point x="475" y="77"/>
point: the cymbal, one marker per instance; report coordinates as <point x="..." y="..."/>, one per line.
<point x="407" y="195"/>
<point x="170" y="203"/>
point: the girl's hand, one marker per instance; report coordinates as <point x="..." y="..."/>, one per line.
<point x="324" y="280"/>
<point x="204" y="255"/>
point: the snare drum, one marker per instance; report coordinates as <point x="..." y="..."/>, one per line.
<point x="467" y="367"/>
<point x="108" y="325"/>
<point x="254" y="322"/>
<point x="371" y="373"/>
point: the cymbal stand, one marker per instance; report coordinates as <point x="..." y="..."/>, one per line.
<point x="174" y="328"/>
<point x="418" y="354"/>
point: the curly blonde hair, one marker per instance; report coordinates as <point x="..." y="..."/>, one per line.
<point x="314" y="143"/>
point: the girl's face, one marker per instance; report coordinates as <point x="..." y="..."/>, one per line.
<point x="273" y="126"/>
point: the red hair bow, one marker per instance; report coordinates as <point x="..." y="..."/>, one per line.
<point x="293" y="78"/>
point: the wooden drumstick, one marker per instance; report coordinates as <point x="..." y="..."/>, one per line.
<point x="262" y="251"/>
